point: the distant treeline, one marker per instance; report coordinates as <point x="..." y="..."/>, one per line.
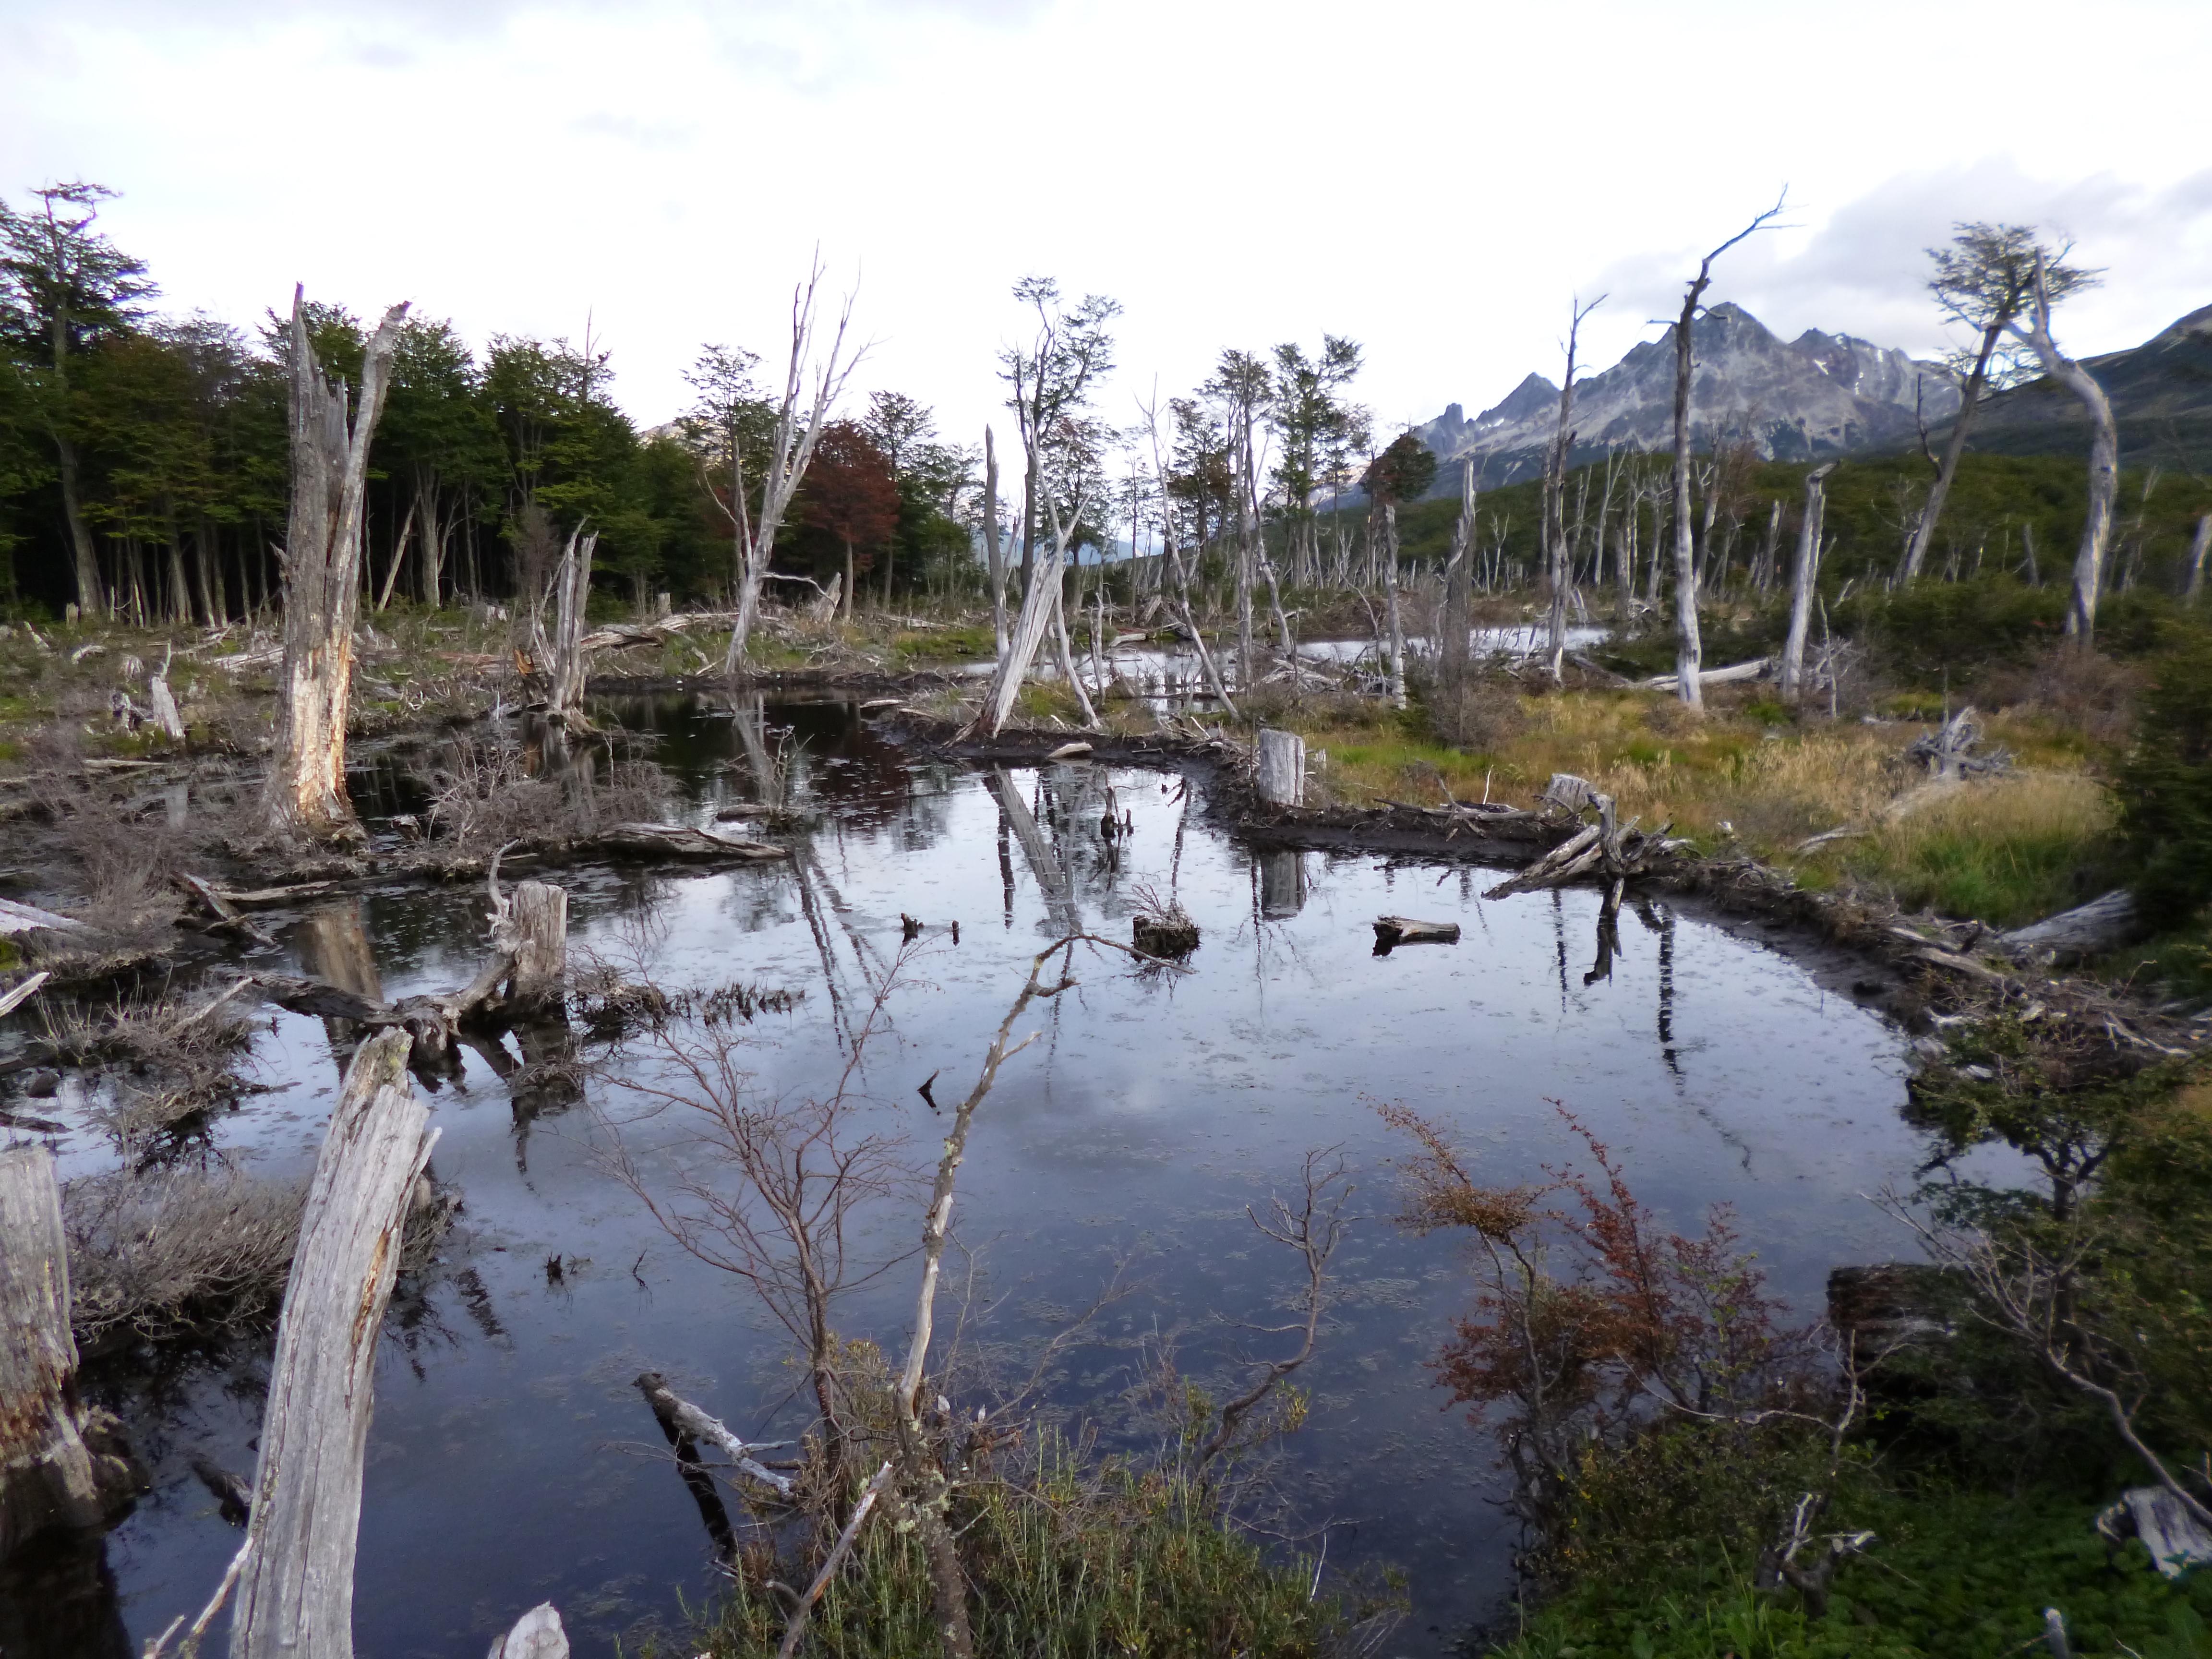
<point x="150" y="453"/>
<point x="2016" y="514"/>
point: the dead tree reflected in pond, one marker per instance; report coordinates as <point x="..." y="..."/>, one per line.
<point x="333" y="946"/>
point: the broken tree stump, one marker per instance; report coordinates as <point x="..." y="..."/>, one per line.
<point x="296" y="1594"/>
<point x="534" y="932"/>
<point x="1392" y="931"/>
<point x="1282" y="768"/>
<point x="59" y="1467"/>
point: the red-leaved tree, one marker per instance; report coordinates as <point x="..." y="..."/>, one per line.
<point x="851" y="493"/>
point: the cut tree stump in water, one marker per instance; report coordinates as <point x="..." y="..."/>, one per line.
<point x="60" y="1465"/>
<point x="536" y="926"/>
<point x="1391" y="931"/>
<point x="1282" y="768"/>
<point x="296" y="1594"/>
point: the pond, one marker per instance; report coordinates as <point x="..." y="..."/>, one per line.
<point x="511" y="1458"/>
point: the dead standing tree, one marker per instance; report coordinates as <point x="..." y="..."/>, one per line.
<point x="1689" y="651"/>
<point x="792" y="441"/>
<point x="1804" y="576"/>
<point x="572" y="588"/>
<point x="2103" y="446"/>
<point x="1559" y="573"/>
<point x="305" y="794"/>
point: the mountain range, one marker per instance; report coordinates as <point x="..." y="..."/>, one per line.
<point x="1821" y="395"/>
<point x="1817" y="396"/>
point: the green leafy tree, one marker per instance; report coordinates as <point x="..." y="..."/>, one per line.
<point x="64" y="287"/>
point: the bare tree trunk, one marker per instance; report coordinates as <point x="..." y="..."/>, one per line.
<point x="1390" y="595"/>
<point x="992" y="551"/>
<point x="2103" y="459"/>
<point x="1455" y="624"/>
<point x="2197" y="551"/>
<point x="49" y="1476"/>
<point x="306" y="793"/>
<point x="1803" y="576"/>
<point x="572" y="589"/>
<point x="1689" y="650"/>
<point x="1924" y="532"/>
<point x="1558" y="574"/>
<point x="797" y="431"/>
<point x="399" y="558"/>
<point x="296" y="1595"/>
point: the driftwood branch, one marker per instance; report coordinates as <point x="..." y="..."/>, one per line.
<point x="683" y="1421"/>
<point x="794" y="1630"/>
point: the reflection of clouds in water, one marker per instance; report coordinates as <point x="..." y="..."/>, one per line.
<point x="1143" y="1117"/>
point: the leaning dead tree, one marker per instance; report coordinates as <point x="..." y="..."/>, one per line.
<point x="1689" y="651"/>
<point x="2104" y="448"/>
<point x="306" y="793"/>
<point x="296" y="1585"/>
<point x="798" y="429"/>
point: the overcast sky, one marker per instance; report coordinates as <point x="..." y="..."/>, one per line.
<point x="1434" y="179"/>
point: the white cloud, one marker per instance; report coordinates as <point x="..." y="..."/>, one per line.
<point x="1434" y="178"/>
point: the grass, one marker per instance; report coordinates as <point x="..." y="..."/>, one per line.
<point x="1950" y="1576"/>
<point x="2004" y="850"/>
<point x="1076" y="1563"/>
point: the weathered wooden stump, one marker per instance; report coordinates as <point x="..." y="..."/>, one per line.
<point x="58" y="1465"/>
<point x="1282" y="768"/>
<point x="295" y="1591"/>
<point x="539" y="920"/>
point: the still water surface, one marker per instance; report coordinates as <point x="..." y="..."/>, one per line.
<point x="510" y="1459"/>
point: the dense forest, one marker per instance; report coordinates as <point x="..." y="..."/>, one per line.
<point x="143" y="454"/>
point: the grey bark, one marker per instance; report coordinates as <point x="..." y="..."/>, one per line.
<point x="296" y="1595"/>
<point x="993" y="550"/>
<point x="2198" y="549"/>
<point x="572" y="588"/>
<point x="306" y="792"/>
<point x="535" y="931"/>
<point x="1453" y="628"/>
<point x="1804" y="574"/>
<point x="2104" y="456"/>
<point x="1923" y="530"/>
<point x="1281" y="774"/>
<point x="49" y="1477"/>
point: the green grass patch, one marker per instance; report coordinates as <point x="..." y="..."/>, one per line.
<point x="1950" y="1576"/>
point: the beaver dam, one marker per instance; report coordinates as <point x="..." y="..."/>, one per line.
<point x="1106" y="1246"/>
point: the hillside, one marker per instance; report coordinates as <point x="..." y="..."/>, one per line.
<point x="2161" y="393"/>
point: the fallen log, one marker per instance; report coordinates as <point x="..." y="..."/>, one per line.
<point x="61" y="1464"/>
<point x="259" y="898"/>
<point x="684" y="1424"/>
<point x="18" y="996"/>
<point x="1392" y="931"/>
<point x="2088" y="930"/>
<point x="1068" y="751"/>
<point x="1578" y="854"/>
<point x="227" y="914"/>
<point x="24" y="918"/>
<point x="1755" y="669"/>
<point x="296" y="1593"/>
<point x="682" y="841"/>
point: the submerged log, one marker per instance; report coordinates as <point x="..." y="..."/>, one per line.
<point x="59" y="1465"/>
<point x="296" y="1594"/>
<point x="1281" y="775"/>
<point x="2088" y="930"/>
<point x="684" y="1424"/>
<point x="1391" y="931"/>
